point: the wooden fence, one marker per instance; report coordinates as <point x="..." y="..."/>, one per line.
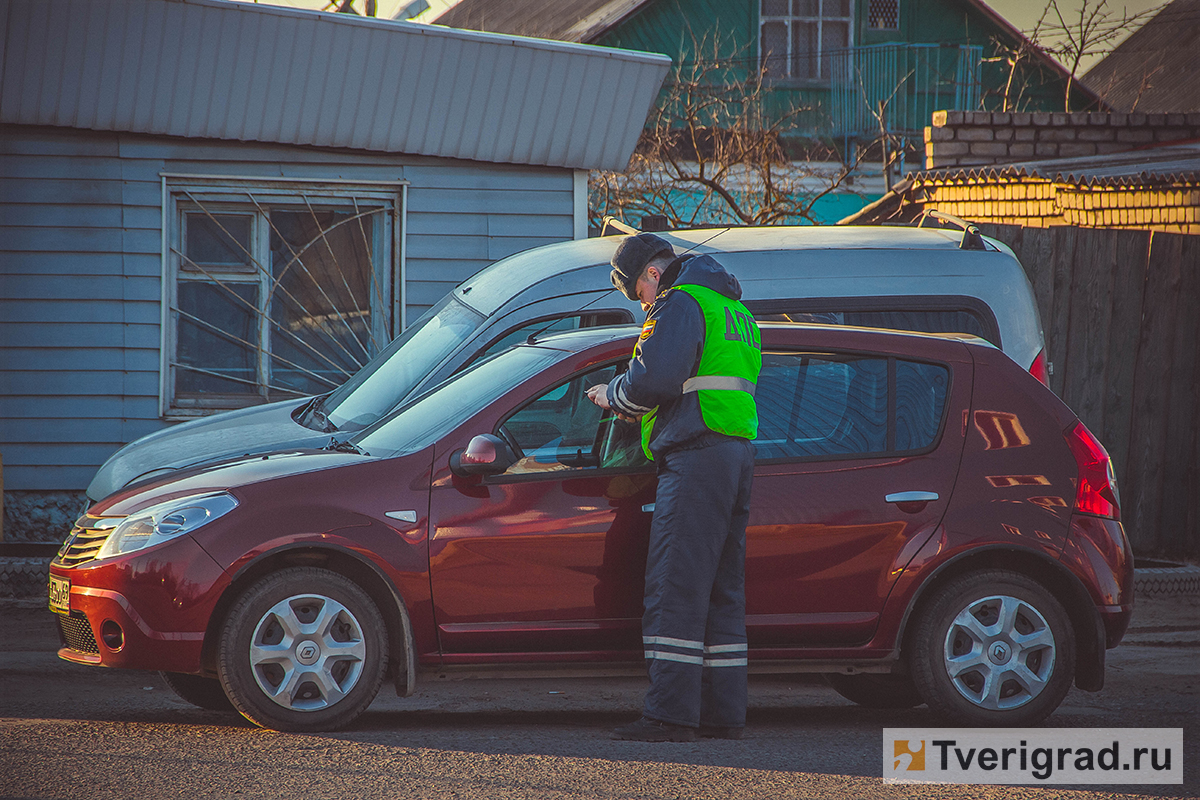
<point x="1121" y="311"/>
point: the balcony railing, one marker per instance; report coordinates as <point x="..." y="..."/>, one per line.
<point x="911" y="81"/>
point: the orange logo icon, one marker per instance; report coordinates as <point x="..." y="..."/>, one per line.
<point x="909" y="757"/>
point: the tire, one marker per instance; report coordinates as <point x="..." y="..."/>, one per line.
<point x="993" y="648"/>
<point x="303" y="650"/>
<point x="203" y="692"/>
<point x="876" y="691"/>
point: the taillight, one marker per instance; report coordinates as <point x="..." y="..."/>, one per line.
<point x="1097" y="491"/>
<point x="1038" y="368"/>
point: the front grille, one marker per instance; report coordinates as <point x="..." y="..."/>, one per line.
<point x="76" y="632"/>
<point x="85" y="540"/>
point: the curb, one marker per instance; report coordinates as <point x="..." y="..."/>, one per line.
<point x="24" y="577"/>
<point x="1167" y="581"/>
<point x="27" y="577"/>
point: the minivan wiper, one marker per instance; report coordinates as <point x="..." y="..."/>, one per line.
<point x="345" y="447"/>
<point x="312" y="412"/>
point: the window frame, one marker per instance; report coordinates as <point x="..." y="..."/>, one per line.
<point x="791" y="19"/>
<point x="890" y="437"/>
<point x="890" y="453"/>
<point x="254" y="196"/>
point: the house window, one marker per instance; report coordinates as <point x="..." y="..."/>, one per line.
<point x="797" y="38"/>
<point x="273" y="291"/>
<point x="883" y="15"/>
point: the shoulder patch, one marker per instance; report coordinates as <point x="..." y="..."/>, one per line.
<point x="647" y="329"/>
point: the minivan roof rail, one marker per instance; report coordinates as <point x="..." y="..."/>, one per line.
<point x="611" y="226"/>
<point x="972" y="238"/>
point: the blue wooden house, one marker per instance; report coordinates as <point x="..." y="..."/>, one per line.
<point x="206" y="205"/>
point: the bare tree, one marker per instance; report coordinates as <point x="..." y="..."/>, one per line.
<point x="1076" y="36"/>
<point x="714" y="151"/>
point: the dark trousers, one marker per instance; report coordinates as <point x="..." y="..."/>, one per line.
<point x="694" y="625"/>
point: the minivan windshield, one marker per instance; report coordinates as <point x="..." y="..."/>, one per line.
<point x="388" y="378"/>
<point x="440" y="411"/>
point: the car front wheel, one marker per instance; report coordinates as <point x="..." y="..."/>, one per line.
<point x="304" y="649"/>
<point x="993" y="648"/>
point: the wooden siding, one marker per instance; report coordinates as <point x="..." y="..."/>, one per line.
<point x="1124" y="337"/>
<point x="80" y="269"/>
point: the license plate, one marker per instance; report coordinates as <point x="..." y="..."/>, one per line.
<point x="60" y="595"/>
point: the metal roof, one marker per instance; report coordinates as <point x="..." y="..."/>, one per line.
<point x="569" y="20"/>
<point x="221" y="70"/>
<point x="1157" y="69"/>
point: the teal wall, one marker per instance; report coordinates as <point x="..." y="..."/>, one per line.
<point x="670" y="26"/>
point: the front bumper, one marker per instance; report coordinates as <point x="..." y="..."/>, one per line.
<point x="148" y="610"/>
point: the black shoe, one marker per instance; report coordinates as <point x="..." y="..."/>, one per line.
<point x="653" y="730"/>
<point x="717" y="732"/>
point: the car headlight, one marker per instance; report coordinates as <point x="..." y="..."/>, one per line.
<point x="165" y="521"/>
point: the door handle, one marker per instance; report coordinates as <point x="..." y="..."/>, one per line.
<point x="911" y="497"/>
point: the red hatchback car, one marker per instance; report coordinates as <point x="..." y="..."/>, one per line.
<point x="929" y="524"/>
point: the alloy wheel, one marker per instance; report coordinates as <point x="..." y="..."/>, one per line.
<point x="999" y="652"/>
<point x="307" y="652"/>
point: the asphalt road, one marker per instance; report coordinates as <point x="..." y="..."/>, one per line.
<point x="68" y="731"/>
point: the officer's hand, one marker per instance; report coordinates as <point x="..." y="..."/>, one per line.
<point x="599" y="396"/>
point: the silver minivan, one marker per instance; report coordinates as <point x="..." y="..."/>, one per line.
<point x="923" y="279"/>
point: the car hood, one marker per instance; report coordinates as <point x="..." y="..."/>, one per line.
<point x="228" y="475"/>
<point x="229" y="435"/>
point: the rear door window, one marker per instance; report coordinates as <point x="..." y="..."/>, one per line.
<point x="828" y="405"/>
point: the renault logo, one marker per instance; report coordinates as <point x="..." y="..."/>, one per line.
<point x="307" y="653"/>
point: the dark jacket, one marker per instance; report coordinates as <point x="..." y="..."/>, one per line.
<point x="670" y="354"/>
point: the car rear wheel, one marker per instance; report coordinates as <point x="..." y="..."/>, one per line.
<point x="993" y="648"/>
<point x="203" y="692"/>
<point x="303" y="650"/>
<point x="876" y="691"/>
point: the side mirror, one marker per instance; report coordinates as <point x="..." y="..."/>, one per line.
<point x="484" y="455"/>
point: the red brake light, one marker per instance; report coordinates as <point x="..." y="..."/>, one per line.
<point x="1097" y="491"/>
<point x="1038" y="368"/>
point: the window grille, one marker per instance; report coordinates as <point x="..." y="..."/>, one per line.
<point x="883" y="15"/>
<point x="273" y="291"/>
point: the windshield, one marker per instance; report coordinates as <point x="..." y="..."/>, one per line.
<point x="389" y="377"/>
<point x="437" y="413"/>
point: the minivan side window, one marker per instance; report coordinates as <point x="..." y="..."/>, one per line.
<point x="823" y="405"/>
<point x="547" y="326"/>
<point x="971" y="321"/>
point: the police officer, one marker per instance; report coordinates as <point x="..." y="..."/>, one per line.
<point x="691" y="384"/>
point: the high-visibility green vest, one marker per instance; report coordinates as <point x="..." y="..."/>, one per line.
<point x="728" y="371"/>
